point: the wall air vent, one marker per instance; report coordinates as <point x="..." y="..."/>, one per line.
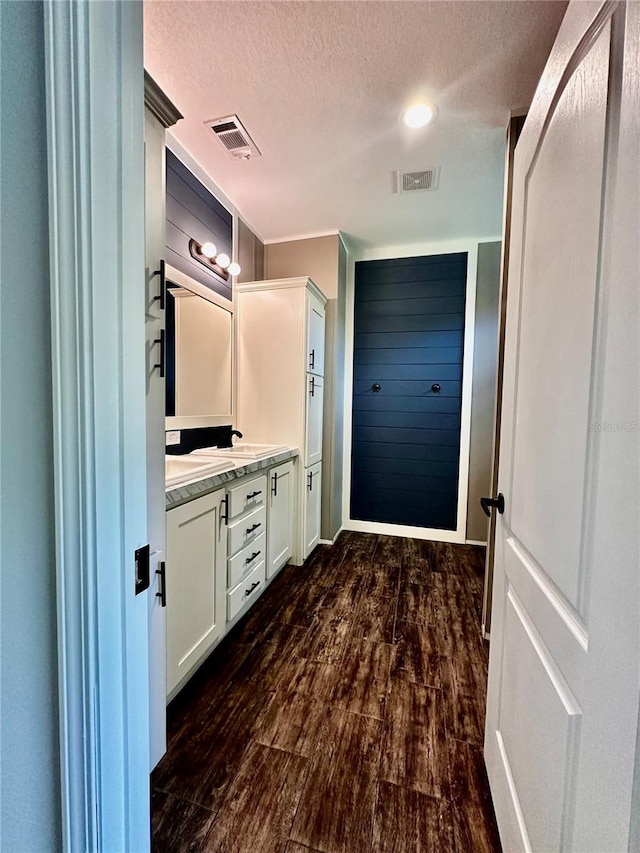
<point x="409" y="182"/>
<point x="234" y="137"/>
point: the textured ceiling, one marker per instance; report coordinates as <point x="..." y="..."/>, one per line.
<point x="320" y="86"/>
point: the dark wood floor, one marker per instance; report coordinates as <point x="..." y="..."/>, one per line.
<point x="345" y="714"/>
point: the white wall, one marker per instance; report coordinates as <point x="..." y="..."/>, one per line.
<point x="483" y="403"/>
<point x="30" y="795"/>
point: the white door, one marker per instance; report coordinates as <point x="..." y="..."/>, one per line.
<point x="313" y="419"/>
<point x="154" y="323"/>
<point x="280" y="519"/>
<point x="564" y="667"/>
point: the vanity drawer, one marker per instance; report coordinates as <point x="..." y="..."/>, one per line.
<point x="245" y="561"/>
<point x="247" y="495"/>
<point x="246" y="529"/>
<point x="249" y="588"/>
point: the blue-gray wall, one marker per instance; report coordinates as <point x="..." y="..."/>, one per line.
<point x="29" y="758"/>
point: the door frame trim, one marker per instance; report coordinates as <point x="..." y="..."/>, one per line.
<point x="470" y="246"/>
<point x="95" y="134"/>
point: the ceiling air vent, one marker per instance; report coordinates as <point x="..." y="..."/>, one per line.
<point x="409" y="182"/>
<point x="234" y="137"/>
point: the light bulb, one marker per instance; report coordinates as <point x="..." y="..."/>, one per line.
<point x="208" y="249"/>
<point x="418" y="115"/>
<point x="234" y="269"/>
<point x="223" y="260"/>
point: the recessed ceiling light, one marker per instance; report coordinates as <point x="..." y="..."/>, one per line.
<point x="418" y="115"/>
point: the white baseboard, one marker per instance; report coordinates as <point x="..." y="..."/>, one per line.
<point x="475" y="542"/>
<point x="330" y="541"/>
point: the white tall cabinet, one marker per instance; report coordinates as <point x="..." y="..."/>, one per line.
<point x="160" y="114"/>
<point x="280" y="370"/>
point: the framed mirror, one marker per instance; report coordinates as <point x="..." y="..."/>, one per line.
<point x="200" y="386"/>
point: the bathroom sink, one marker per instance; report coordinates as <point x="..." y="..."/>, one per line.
<point x="184" y="469"/>
<point x="242" y="450"/>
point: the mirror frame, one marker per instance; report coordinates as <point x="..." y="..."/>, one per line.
<point x="194" y="421"/>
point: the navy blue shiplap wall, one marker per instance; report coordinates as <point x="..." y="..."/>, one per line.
<point x="409" y="334"/>
<point x="193" y="212"/>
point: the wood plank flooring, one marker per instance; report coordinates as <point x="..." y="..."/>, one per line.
<point x="344" y="714"/>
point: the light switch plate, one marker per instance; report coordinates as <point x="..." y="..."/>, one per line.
<point x="172" y="437"/>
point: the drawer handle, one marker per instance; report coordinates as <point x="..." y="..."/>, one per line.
<point x="251" y="529"/>
<point x="162" y="290"/>
<point x="252" y="495"/>
<point x="253" y="586"/>
<point x="310" y="481"/>
<point x="252" y="557"/>
<point x="312" y="359"/>
<point x="312" y="386"/>
<point x="274" y="488"/>
<point x="160" y="342"/>
<point x="224" y="516"/>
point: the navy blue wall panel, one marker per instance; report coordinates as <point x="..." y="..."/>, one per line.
<point x="408" y="335"/>
<point x="194" y="213"/>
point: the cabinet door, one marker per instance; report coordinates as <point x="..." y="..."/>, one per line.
<point x="313" y="481"/>
<point x="196" y="584"/>
<point x="280" y="519"/>
<point x="313" y="420"/>
<point x="156" y="509"/>
<point x="315" y="336"/>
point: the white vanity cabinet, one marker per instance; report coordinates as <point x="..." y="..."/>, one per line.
<point x="195" y="584"/>
<point x="280" y="517"/>
<point x="280" y="369"/>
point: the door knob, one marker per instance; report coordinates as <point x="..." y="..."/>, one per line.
<point x="435" y="388"/>
<point x="375" y="387"/>
<point x="487" y="503"/>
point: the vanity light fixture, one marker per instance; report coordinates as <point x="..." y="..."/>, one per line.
<point x="206" y="254"/>
<point x="209" y="250"/>
<point x="418" y="115"/>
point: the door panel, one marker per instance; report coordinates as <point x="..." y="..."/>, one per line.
<point x="315" y="336"/>
<point x="558" y="284"/>
<point x="315" y="400"/>
<point x="408" y="337"/>
<point x="564" y="659"/>
<point x="155" y="411"/>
